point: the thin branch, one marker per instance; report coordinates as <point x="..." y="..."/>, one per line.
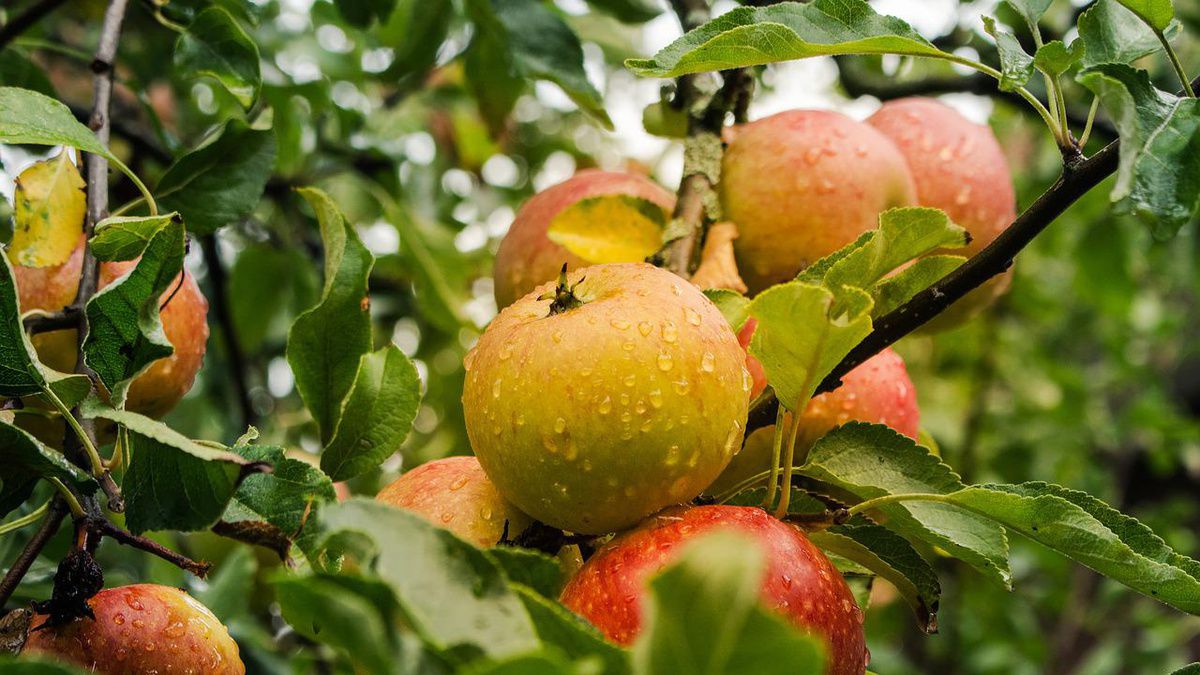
<point x="33" y="548"/>
<point x="46" y="322"/>
<point x="219" y="297"/>
<point x="181" y="561"/>
<point x="25" y="20"/>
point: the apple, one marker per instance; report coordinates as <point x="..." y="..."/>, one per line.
<point x="598" y="401"/>
<point x="454" y="493"/>
<point x="800" y="581"/>
<point x="878" y="391"/>
<point x="803" y="183"/>
<point x="143" y="628"/>
<point x="161" y="386"/>
<point x="958" y="167"/>
<point x="527" y="258"/>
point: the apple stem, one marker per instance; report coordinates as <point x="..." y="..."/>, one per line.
<point x="564" y="295"/>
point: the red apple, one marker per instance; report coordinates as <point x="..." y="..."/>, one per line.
<point x="144" y="628"/>
<point x="800" y="582"/>
<point x="802" y="184"/>
<point x="527" y="258"/>
<point x="958" y="167"/>
<point x="456" y="494"/>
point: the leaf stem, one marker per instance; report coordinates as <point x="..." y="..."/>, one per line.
<point x="27" y="519"/>
<point x="68" y="497"/>
<point x="890" y="499"/>
<point x="93" y="455"/>
<point x="1049" y="118"/>
<point x="789" y="462"/>
<point x="1091" y="120"/>
<point x="149" y="198"/>
<point x="776" y="445"/>
<point x="1176" y="64"/>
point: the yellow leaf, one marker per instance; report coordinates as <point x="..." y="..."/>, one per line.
<point x="48" y="213"/>
<point x="610" y="229"/>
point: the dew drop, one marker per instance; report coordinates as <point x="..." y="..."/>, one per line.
<point x="664" y="362"/>
<point x="620" y="324"/>
<point x="175" y="630"/>
<point x="825" y="187"/>
<point x="458" y="483"/>
<point x="627" y="345"/>
<point x="708" y="362"/>
<point x="812" y="156"/>
<point x="693" y="317"/>
<point x="625" y="399"/>
<point x="656" y="398"/>
<point x="521" y="420"/>
<point x="138" y="623"/>
<point x="556" y="336"/>
<point x="681" y="386"/>
<point x="645" y="328"/>
<point x="446" y="517"/>
<point x="505" y="353"/>
<point x="485" y="512"/>
<point x="626" y="416"/>
<point x="605" y="406"/>
<point x="630" y="380"/>
<point x="560" y="425"/>
<point x="669" y="332"/>
<point x="496" y="384"/>
<point x="118" y="618"/>
<point x="672" y="456"/>
<point x="640" y="407"/>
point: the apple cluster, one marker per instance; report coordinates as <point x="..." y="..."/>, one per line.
<point x="609" y="399"/>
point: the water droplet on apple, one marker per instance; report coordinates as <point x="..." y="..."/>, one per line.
<point x="656" y="398"/>
<point x="560" y="425"/>
<point x="708" y="362"/>
<point x="693" y="317"/>
<point x="669" y="332"/>
<point x="630" y="380"/>
<point x="458" y="483"/>
<point x="605" y="406"/>
<point x="645" y="328"/>
<point x="664" y="362"/>
<point x="620" y="324"/>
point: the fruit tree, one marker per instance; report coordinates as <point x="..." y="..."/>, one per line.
<point x="633" y="337"/>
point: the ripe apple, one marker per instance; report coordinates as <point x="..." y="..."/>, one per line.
<point x="527" y="258"/>
<point x="800" y="582"/>
<point x="595" y="403"/>
<point x="156" y="391"/>
<point x="878" y="391"/>
<point x="803" y="183"/>
<point x="958" y="167"/>
<point x="456" y="494"/>
<point x="143" y="628"/>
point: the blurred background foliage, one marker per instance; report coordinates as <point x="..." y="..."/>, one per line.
<point x="1087" y="374"/>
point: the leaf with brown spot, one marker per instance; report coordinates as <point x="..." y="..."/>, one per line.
<point x="49" y="204"/>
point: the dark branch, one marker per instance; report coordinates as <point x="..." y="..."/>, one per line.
<point x="179" y="560"/>
<point x="33" y="548"/>
<point x="219" y="297"/>
<point x="25" y="20"/>
<point x="52" y="321"/>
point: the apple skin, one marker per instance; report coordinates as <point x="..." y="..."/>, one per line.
<point x="803" y="183"/>
<point x="958" y="167"/>
<point x="143" y="628"/>
<point x="454" y="493"/>
<point x="165" y="382"/>
<point x="800" y="581"/>
<point x="528" y="259"/>
<point x="878" y="391"/>
<point x="595" y="417"/>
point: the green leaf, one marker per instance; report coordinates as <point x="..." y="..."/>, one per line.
<point x="1190" y="669"/>
<point x="221" y="181"/>
<point x="561" y="628"/>
<point x="752" y="36"/>
<point x="215" y="46"/>
<point x="451" y="593"/>
<point x="871" y="460"/>
<point x="125" y="332"/>
<point x="20" y="372"/>
<point x="1156" y="13"/>
<point x="704" y="616"/>
<point x="327" y="609"/>
<point x="362" y="13"/>
<point x="1159" y="173"/>
<point x="125" y="237"/>
<point x="1055" y="58"/>
<point x="34" y="665"/>
<point x="733" y="305"/>
<point x="1030" y="10"/>
<point x="490" y="68"/>
<point x="1112" y="34"/>
<point x="376" y="416"/>
<point x="173" y="482"/>
<point x="16" y="70"/>
<point x="228" y="591"/>
<point x="894" y="291"/>
<point x="414" y="31"/>
<point x="267" y="287"/>
<point x="542" y="663"/>
<point x="610" y="228"/>
<point x="629" y="11"/>
<point x="543" y="47"/>
<point x="890" y="556"/>
<point x="285" y="498"/>
<point x="25" y="461"/>
<point x="327" y="342"/>
<point x="424" y="250"/>
<point x="1090" y="532"/>
<point x="1016" y="66"/>
<point x="663" y="119"/>
<point x="903" y="234"/>
<point x="798" y="341"/>
<point x="529" y="568"/>
<point x="29" y="117"/>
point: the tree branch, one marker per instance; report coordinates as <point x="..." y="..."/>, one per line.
<point x="33" y="548"/>
<point x="45" y="322"/>
<point x="179" y="560"/>
<point x="25" y="20"/>
<point x="219" y="297"/>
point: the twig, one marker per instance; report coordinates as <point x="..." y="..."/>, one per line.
<point x="233" y="349"/>
<point x="32" y="549"/>
<point x="25" y="20"/>
<point x="47" y="322"/>
<point x="181" y="561"/>
<point x="1077" y="179"/>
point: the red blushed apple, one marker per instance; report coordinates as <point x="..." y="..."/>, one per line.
<point x="802" y="184"/>
<point x="454" y="493"/>
<point x="878" y="391"/>
<point x="139" y="629"/>
<point x="800" y="581"/>
<point x="958" y="167"/>
<point x="527" y="258"/>
<point x="161" y="386"/>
